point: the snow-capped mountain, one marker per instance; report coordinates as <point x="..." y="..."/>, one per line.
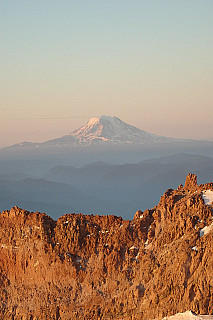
<point x="112" y="129"/>
<point x="106" y="129"/>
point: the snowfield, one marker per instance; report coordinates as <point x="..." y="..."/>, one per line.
<point x="208" y="197"/>
<point x="189" y="315"/>
<point x="206" y="230"/>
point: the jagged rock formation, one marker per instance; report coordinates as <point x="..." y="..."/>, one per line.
<point x="103" y="267"/>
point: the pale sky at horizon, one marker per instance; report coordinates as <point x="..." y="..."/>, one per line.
<point x="146" y="62"/>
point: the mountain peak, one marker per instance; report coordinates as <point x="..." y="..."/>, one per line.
<point x="102" y="118"/>
<point x="106" y="129"/>
<point x="99" y="122"/>
<point x="111" y="129"/>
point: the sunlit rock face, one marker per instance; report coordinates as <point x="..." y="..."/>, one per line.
<point x="103" y="267"/>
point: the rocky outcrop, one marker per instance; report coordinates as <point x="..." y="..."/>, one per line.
<point x="104" y="267"/>
<point x="191" y="182"/>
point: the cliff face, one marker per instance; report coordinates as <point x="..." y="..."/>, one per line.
<point x="103" y="267"/>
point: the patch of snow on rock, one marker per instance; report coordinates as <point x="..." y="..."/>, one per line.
<point x="208" y="197"/>
<point x="189" y="315"/>
<point x="206" y="230"/>
<point x="195" y="248"/>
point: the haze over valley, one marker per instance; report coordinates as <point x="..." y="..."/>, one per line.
<point x="96" y="169"/>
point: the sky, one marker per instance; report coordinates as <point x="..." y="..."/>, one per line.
<point x="148" y="62"/>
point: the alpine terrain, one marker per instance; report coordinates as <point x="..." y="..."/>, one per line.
<point x="104" y="267"/>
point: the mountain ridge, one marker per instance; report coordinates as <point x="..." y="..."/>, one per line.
<point x="104" y="267"/>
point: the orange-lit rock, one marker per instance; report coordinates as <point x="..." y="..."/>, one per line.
<point x="103" y="267"/>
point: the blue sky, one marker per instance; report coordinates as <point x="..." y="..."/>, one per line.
<point x="147" y="62"/>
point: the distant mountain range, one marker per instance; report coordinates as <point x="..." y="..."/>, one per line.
<point x="99" y="187"/>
